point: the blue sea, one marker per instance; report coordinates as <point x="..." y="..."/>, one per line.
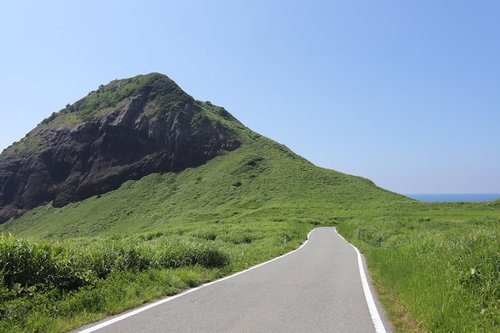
<point x="455" y="197"/>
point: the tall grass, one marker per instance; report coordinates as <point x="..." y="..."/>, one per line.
<point x="446" y="273"/>
<point x="29" y="264"/>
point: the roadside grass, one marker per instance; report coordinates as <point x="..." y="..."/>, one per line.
<point x="441" y="270"/>
<point x="57" y="286"/>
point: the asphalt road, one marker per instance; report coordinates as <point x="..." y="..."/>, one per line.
<point x="317" y="288"/>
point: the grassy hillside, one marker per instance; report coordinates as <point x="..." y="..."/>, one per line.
<point x="62" y="267"/>
<point x="261" y="181"/>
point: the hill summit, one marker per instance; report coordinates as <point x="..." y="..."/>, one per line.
<point x="122" y="131"/>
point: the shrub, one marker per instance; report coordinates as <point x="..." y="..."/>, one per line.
<point x="26" y="264"/>
<point x="185" y="254"/>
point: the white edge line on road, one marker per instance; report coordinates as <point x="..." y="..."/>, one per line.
<point x="377" y="321"/>
<point x="171" y="298"/>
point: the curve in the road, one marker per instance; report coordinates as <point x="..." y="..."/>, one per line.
<point x="319" y="287"/>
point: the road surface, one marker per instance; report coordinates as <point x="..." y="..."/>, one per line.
<point x="317" y="288"/>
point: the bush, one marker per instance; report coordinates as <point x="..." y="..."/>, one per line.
<point x="186" y="254"/>
<point x="26" y="264"/>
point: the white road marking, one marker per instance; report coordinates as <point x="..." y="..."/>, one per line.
<point x="171" y="298"/>
<point x="377" y="321"/>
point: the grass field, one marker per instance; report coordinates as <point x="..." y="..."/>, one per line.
<point x="436" y="270"/>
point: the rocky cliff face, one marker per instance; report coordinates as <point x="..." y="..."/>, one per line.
<point x="125" y="130"/>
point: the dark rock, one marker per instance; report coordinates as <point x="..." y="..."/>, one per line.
<point x="125" y="130"/>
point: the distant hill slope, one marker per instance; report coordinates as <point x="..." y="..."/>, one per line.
<point x="125" y="130"/>
<point x="200" y="163"/>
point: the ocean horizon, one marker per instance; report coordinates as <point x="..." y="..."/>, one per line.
<point x="454" y="197"/>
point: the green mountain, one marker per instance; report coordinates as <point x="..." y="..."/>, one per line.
<point x="125" y="130"/>
<point x="244" y="176"/>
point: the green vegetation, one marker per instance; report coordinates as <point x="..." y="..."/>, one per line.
<point x="438" y="269"/>
<point x="436" y="266"/>
<point x="30" y="143"/>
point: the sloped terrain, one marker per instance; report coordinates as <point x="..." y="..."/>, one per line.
<point x="144" y="126"/>
<point x="261" y="180"/>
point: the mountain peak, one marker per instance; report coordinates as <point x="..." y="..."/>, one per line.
<point x="153" y="87"/>
<point x="124" y="130"/>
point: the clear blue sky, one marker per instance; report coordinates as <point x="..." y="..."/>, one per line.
<point x="406" y="93"/>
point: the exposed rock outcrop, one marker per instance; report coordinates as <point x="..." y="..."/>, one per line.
<point x="125" y="130"/>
